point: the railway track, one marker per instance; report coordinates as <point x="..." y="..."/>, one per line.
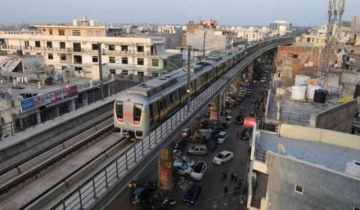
<point x="37" y="166"/>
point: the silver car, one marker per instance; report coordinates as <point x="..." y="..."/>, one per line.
<point x="198" y="149"/>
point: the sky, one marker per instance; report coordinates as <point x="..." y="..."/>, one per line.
<point x="227" y="12"/>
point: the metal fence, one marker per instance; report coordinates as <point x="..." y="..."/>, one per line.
<point x="289" y="117"/>
<point x="98" y="184"/>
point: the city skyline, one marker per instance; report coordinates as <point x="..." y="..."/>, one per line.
<point x="158" y="12"/>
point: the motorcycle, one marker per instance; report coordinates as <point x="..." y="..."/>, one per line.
<point x="169" y="202"/>
<point x="223" y="175"/>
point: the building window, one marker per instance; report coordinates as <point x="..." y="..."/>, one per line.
<point x="95" y="59"/>
<point x="124" y="60"/>
<point x="62" y="45"/>
<point x="77" y="59"/>
<point x="140" y="61"/>
<point x="61" y="32"/>
<point x="63" y="57"/>
<point x="26" y="44"/>
<point x="140" y="73"/>
<point x="37" y="44"/>
<point x="112" y="47"/>
<point x="140" y="48"/>
<point x="95" y="47"/>
<point x="295" y="56"/>
<point x="77" y="47"/>
<point x="299" y="189"/>
<point x="76" y="33"/>
<point x="155" y="62"/>
<point x="50" y="56"/>
<point x="39" y="54"/>
<point x="124" y="72"/>
<point x="44" y="30"/>
<point x="112" y="71"/>
<point x="112" y="59"/>
<point x="63" y="67"/>
<point x="49" y="44"/>
<point x="78" y="69"/>
<point x="50" y="31"/>
<point x="124" y="48"/>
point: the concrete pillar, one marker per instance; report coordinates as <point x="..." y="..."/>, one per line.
<point x="215" y="109"/>
<point x="165" y="173"/>
<point x="72" y="104"/>
<point x="250" y="71"/>
<point x="38" y="116"/>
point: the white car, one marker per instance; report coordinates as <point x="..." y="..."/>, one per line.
<point x="182" y="168"/>
<point x="223" y="157"/>
<point x="199" y="171"/>
<point x="263" y="80"/>
<point x="190" y="162"/>
<point x="222" y="136"/>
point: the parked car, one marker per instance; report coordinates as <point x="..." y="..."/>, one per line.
<point x="223" y="157"/>
<point x="212" y="145"/>
<point x="227" y="122"/>
<point x="182" y="168"/>
<point x="185" y="133"/>
<point x="207" y="115"/>
<point x="140" y="195"/>
<point x="192" y="194"/>
<point x="222" y="137"/>
<point x="216" y="130"/>
<point x="239" y="120"/>
<point x="245" y="135"/>
<point x="180" y="145"/>
<point x="255" y="81"/>
<point x="199" y="171"/>
<point x="204" y="123"/>
<point x="190" y="162"/>
<point x="177" y="154"/>
<point x="198" y="149"/>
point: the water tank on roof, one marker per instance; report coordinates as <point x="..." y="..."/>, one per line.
<point x="92" y="22"/>
<point x="298" y="93"/>
<point x="75" y="22"/>
<point x="353" y="168"/>
<point x="311" y="92"/>
<point x="320" y="96"/>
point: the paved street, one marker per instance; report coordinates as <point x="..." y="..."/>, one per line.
<point x="212" y="187"/>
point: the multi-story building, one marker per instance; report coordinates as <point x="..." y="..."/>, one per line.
<point x="76" y="46"/>
<point x="355" y="30"/>
<point x="275" y="26"/>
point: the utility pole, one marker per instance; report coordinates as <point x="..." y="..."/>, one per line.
<point x="204" y="45"/>
<point x="188" y="79"/>
<point x="101" y="73"/>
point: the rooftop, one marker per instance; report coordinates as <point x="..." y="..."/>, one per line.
<point x="330" y="156"/>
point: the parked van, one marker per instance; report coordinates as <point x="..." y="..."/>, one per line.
<point x="198" y="149"/>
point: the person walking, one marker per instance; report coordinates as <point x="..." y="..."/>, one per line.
<point x="232" y="177"/>
<point x="225" y="190"/>
<point x="235" y="176"/>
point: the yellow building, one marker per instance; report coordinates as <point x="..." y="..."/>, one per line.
<point x="317" y="41"/>
<point x="76" y="46"/>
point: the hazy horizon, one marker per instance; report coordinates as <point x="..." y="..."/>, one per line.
<point x="308" y="13"/>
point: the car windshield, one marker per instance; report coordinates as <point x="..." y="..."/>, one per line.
<point x="198" y="168"/>
<point x="228" y="118"/>
<point x="222" y="135"/>
<point x="186" y="159"/>
<point x="221" y="156"/>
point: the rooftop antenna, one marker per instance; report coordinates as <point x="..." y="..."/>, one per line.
<point x="336" y="9"/>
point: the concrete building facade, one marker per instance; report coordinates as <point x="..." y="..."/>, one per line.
<point x="76" y="47"/>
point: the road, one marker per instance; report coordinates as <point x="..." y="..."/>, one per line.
<point x="212" y="187"/>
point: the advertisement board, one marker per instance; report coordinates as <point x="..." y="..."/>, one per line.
<point x="48" y="98"/>
<point x="249" y="122"/>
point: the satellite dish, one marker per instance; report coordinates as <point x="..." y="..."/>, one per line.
<point x="281" y="149"/>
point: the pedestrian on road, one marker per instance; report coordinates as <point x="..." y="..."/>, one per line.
<point x="238" y="134"/>
<point x="232" y="177"/>
<point x="225" y="190"/>
<point x="235" y="176"/>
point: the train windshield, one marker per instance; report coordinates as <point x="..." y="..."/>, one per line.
<point x="119" y="109"/>
<point x="137" y="112"/>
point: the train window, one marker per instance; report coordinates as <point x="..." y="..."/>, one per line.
<point x="164" y="102"/>
<point x="161" y="105"/>
<point x="119" y="109"/>
<point x="151" y="114"/>
<point x="171" y="98"/>
<point x="137" y="113"/>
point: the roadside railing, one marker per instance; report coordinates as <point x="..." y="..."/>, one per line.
<point x="112" y="173"/>
<point x="289" y="117"/>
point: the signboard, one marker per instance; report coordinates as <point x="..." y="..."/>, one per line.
<point x="164" y="174"/>
<point x="249" y="122"/>
<point x="48" y="98"/>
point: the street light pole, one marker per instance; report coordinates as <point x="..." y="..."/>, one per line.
<point x="101" y="73"/>
<point x="188" y="79"/>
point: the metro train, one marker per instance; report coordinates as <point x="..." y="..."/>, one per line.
<point x="143" y="107"/>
